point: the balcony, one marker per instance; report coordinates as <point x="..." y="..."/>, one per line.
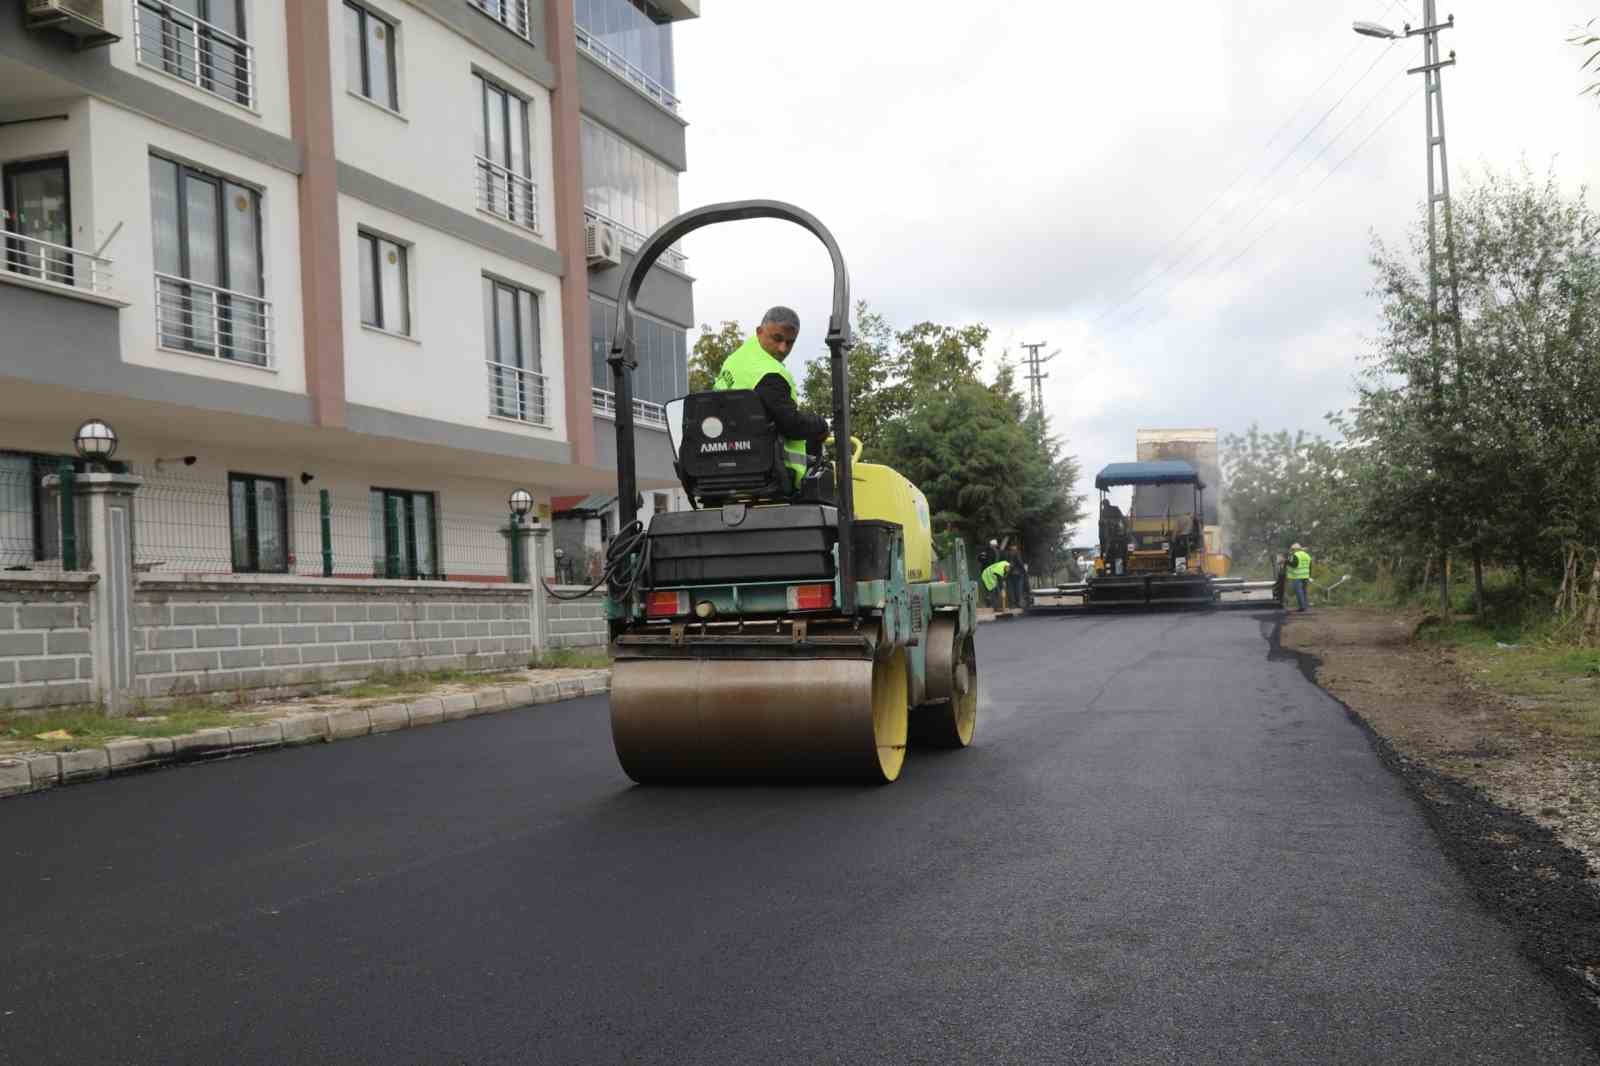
<point x="605" y="405"/>
<point x="507" y="195"/>
<point x="512" y="14"/>
<point x="204" y="320"/>
<point x="170" y="40"/>
<point x="517" y="394"/>
<point x="632" y="239"/>
<point x="651" y="89"/>
<point x="51" y="266"/>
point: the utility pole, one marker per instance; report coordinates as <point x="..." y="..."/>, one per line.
<point x="1036" y="377"/>
<point x="1438" y="210"/>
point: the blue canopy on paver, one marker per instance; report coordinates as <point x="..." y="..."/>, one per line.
<point x="1157" y="472"/>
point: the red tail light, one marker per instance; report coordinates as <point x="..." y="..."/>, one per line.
<point x="666" y="604"/>
<point x="810" y="597"/>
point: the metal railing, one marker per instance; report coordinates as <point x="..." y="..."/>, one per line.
<point x="632" y="239"/>
<point x="206" y="320"/>
<point x="169" y="39"/>
<point x="512" y="14"/>
<point x="605" y="405"/>
<point x="648" y="86"/>
<point x="509" y="195"/>
<point x="29" y="257"/>
<point x="517" y="394"/>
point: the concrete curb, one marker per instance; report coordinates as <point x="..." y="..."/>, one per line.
<point x="22" y="774"/>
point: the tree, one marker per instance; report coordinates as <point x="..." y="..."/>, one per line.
<point x="711" y="349"/>
<point x="1491" y="445"/>
<point x="877" y="395"/>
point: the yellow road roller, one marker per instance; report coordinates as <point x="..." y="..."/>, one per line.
<point x="778" y="631"/>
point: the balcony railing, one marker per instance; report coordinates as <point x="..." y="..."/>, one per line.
<point x="605" y="405"/>
<point x="517" y="394"/>
<point x="169" y="39"/>
<point x="205" y="320"/>
<point x="29" y="257"/>
<point x="650" y="87"/>
<point x="511" y="196"/>
<point x="512" y="14"/>
<point x="632" y="239"/>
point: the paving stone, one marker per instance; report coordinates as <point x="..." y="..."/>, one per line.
<point x="306" y="729"/>
<point x="142" y="751"/>
<point x="350" y="722"/>
<point x="15" y="777"/>
<point x="426" y="711"/>
<point x="256" y="737"/>
<point x="389" y="717"/>
<point x="85" y="764"/>
<point x="462" y="705"/>
<point x="202" y="744"/>
<point x="45" y="769"/>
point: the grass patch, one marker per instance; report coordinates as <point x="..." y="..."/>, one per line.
<point x="87" y="727"/>
<point x="415" y="684"/>
<point x="1554" y="685"/>
<point x="572" y="659"/>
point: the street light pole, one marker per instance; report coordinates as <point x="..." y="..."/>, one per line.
<point x="1438" y="203"/>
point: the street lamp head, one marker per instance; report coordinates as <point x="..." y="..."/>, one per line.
<point x="95" y="440"/>
<point x="1374" y="29"/>
<point x="521" y="501"/>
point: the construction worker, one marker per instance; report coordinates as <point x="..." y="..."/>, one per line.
<point x="987" y="556"/>
<point x="1016" y="578"/>
<point x="1113" y="535"/>
<point x="1299" y="574"/>
<point x="994" y="579"/>
<point x="758" y="364"/>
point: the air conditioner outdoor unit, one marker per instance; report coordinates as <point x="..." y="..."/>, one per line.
<point x="602" y="244"/>
<point x="83" y="19"/>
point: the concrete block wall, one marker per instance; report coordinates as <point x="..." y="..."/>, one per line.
<point x="231" y="634"/>
<point x="45" y="640"/>
<point x="577" y="623"/>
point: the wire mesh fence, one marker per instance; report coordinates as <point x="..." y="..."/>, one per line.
<point x="31" y="534"/>
<point x="264" y="525"/>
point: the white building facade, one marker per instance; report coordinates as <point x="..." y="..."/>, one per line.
<point x="324" y="265"/>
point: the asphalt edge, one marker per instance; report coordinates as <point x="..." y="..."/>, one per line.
<point x="1543" y="912"/>
<point x="27" y="774"/>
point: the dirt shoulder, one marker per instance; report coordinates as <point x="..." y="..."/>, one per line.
<point x="1497" y="747"/>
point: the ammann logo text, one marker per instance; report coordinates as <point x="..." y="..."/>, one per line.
<point x="725" y="446"/>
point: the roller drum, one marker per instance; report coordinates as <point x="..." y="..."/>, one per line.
<point x="744" y="719"/>
<point x="950" y="717"/>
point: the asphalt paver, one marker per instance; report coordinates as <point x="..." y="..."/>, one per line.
<point x="1166" y="845"/>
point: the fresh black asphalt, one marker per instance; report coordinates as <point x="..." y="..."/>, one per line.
<point x="1165" y="846"/>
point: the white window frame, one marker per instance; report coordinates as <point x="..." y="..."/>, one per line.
<point x="365" y="262"/>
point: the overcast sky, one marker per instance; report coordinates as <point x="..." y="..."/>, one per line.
<point x="1182" y="203"/>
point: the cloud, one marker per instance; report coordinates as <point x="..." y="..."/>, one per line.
<point x="1030" y="165"/>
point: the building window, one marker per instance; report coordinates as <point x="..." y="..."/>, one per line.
<point x="258" y="522"/>
<point x="511" y="343"/>
<point x="504" y="161"/>
<point x="633" y="39"/>
<point x="404" y="544"/>
<point x="624" y="185"/>
<point x="662" y="352"/>
<point x="385" y="284"/>
<point x="369" y="56"/>
<point x="208" y="264"/>
<point x="512" y="14"/>
<point x="663" y="502"/>
<point x="201" y="41"/>
<point x="30" y="525"/>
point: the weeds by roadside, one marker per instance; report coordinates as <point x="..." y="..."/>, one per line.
<point x="78" y="727"/>
<point x="572" y="659"/>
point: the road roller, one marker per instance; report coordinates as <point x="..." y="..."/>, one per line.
<point x="778" y="631"/>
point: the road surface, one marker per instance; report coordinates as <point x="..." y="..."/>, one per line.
<point x="1165" y="846"/>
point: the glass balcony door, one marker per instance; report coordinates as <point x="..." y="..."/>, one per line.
<point x="38" y="206"/>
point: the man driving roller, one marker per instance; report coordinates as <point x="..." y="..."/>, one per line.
<point x="757" y="364"/>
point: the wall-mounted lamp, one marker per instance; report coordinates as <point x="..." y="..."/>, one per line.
<point x="186" y="460"/>
<point x="306" y="479"/>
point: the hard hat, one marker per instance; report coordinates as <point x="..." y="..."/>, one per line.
<point x="1295" y="546"/>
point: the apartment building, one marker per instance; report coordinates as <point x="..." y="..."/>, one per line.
<point x="341" y="274"/>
